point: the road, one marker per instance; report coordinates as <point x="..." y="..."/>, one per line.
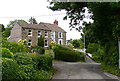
<point x="90" y="71"/>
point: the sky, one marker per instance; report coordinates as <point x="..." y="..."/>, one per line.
<point x="24" y="9"/>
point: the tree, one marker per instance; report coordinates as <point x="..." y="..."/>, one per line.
<point x="6" y="32"/>
<point x="106" y="26"/>
<point x="76" y="43"/>
<point x="2" y="28"/>
<point x="11" y="23"/>
<point x="41" y="41"/>
<point x="32" y="20"/>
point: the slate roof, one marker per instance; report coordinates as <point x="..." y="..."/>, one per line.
<point x="44" y="26"/>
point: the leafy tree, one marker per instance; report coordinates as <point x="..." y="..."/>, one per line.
<point x="2" y="28"/>
<point x="32" y="20"/>
<point x="76" y="43"/>
<point x="6" y="32"/>
<point x="11" y="23"/>
<point x="106" y="26"/>
<point x="41" y="41"/>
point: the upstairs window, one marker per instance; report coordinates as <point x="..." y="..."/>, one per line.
<point x="53" y="36"/>
<point x="46" y="34"/>
<point x="39" y="33"/>
<point x="29" y="32"/>
<point x="29" y="43"/>
<point x="60" y="35"/>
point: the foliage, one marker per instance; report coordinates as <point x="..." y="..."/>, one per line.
<point x="69" y="55"/>
<point x="76" y="43"/>
<point x="52" y="44"/>
<point x="42" y="62"/>
<point x="111" y="69"/>
<point x="14" y="46"/>
<point x="6" y="32"/>
<point x="10" y="69"/>
<point x="38" y="50"/>
<point x="7" y="53"/>
<point x="74" y="12"/>
<point x="32" y="20"/>
<point x="65" y="53"/>
<point x="104" y="30"/>
<point x="2" y="28"/>
<point x="62" y="47"/>
<point x="92" y="47"/>
<point x="23" y="59"/>
<point x="11" y="23"/>
<point x="13" y="71"/>
<point x="41" y="41"/>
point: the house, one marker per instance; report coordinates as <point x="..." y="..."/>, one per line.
<point x="31" y="32"/>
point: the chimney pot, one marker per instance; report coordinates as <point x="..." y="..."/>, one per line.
<point x="56" y="22"/>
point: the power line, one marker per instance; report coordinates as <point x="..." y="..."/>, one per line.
<point x="36" y="16"/>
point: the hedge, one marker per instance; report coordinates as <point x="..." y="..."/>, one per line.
<point x="69" y="55"/>
<point x="27" y="67"/>
<point x="7" y="53"/>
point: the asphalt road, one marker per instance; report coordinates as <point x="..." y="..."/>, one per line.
<point x="89" y="71"/>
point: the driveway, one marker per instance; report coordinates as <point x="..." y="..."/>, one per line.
<point x="90" y="71"/>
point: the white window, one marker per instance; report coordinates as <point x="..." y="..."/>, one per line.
<point x="39" y="33"/>
<point x="29" y="32"/>
<point x="46" y="43"/>
<point x="60" y="41"/>
<point x="29" y="43"/>
<point x="46" y="34"/>
<point x="53" y="36"/>
<point x="59" y="34"/>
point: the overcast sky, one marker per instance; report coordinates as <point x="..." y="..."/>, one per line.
<point x="24" y="9"/>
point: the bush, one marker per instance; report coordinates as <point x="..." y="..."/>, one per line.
<point x="14" y="46"/>
<point x="23" y="59"/>
<point x="42" y="62"/>
<point x="7" y="53"/>
<point x="39" y="62"/>
<point x="13" y="71"/>
<point x="92" y="47"/>
<point x="69" y="55"/>
<point x="10" y="69"/>
<point x="39" y="50"/>
<point x="62" y="47"/>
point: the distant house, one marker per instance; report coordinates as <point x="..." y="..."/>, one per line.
<point x="31" y="32"/>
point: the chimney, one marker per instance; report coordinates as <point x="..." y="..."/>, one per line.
<point x="56" y="22"/>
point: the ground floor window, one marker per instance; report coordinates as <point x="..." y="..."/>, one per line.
<point x="60" y="41"/>
<point x="46" y="43"/>
<point x="29" y="43"/>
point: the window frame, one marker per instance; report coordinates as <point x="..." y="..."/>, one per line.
<point x="46" y="42"/>
<point x="59" y="34"/>
<point x="29" y="42"/>
<point x="38" y="32"/>
<point x="46" y="34"/>
<point x="61" y="41"/>
<point x="30" y="32"/>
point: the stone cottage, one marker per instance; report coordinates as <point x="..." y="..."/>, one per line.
<point x="31" y="32"/>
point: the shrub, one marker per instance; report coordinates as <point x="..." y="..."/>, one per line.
<point x="42" y="62"/>
<point x="7" y="53"/>
<point x="39" y="50"/>
<point x="14" y="46"/>
<point x="69" y="55"/>
<point x="9" y="69"/>
<point x="62" y="47"/>
<point x="41" y="41"/>
<point x="92" y="47"/>
<point x="23" y="59"/>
